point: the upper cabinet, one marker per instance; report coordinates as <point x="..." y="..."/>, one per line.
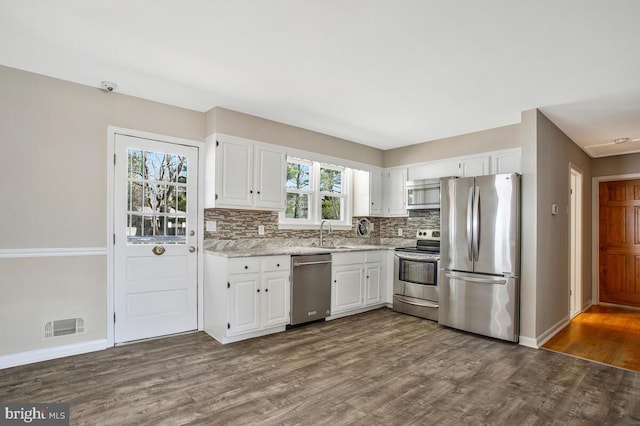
<point x="367" y="192"/>
<point x="395" y="193"/>
<point x="494" y="162"/>
<point x="245" y="174"/>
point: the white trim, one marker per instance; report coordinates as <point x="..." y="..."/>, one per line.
<point x="575" y="223"/>
<point x="45" y="354"/>
<point x="112" y="131"/>
<point x="595" y="229"/>
<point x="552" y="331"/>
<point x="529" y="342"/>
<point x="52" y="252"/>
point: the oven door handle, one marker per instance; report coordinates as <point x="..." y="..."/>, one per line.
<point x="416" y="257"/>
<point x="408" y="301"/>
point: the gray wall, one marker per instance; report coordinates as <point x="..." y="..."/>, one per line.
<point x="235" y="123"/>
<point x="616" y="165"/>
<point x="471" y="143"/>
<point x="555" y="151"/>
<point x="53" y="183"/>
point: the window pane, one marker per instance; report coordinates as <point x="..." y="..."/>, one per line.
<point x="331" y="208"/>
<point x="330" y="180"/>
<point x="297" y="206"/>
<point x="298" y="176"/>
<point x="135" y="163"/>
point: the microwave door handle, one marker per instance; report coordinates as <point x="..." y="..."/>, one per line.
<point x="476" y="225"/>
<point x="470" y="225"/>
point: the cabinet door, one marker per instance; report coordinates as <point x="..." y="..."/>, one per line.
<point x="475" y="167"/>
<point x="373" y="283"/>
<point x="375" y="192"/>
<point x="395" y="192"/>
<point x="243" y="304"/>
<point x="275" y="299"/>
<point x="234" y="178"/>
<point x="361" y="193"/>
<point x="269" y="187"/>
<point x="508" y="161"/>
<point x="346" y="291"/>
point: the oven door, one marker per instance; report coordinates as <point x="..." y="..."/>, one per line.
<point x="416" y="276"/>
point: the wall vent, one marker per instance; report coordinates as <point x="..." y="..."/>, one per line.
<point x="63" y="327"/>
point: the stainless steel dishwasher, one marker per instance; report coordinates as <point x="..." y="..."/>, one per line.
<point x="310" y="287"/>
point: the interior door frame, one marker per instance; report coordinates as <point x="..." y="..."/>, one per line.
<point x="595" y="229"/>
<point x="112" y="131"/>
<point x="576" y="218"/>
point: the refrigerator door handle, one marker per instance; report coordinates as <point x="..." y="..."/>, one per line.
<point x="476" y="225"/>
<point x="478" y="280"/>
<point x="470" y="225"/>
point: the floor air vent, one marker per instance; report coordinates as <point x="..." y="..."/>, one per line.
<point x="63" y="327"/>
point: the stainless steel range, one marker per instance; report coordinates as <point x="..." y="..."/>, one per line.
<point x="415" y="283"/>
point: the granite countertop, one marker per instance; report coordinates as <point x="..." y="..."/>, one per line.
<point x="275" y="251"/>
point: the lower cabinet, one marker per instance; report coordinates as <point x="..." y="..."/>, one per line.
<point x="246" y="297"/>
<point x="358" y="281"/>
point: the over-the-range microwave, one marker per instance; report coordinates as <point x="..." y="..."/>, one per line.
<point x="424" y="194"/>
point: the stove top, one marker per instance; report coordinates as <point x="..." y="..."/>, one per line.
<point x="428" y="242"/>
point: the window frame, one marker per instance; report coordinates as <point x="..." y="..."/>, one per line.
<point x="315" y="197"/>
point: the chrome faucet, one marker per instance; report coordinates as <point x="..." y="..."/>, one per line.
<point x="321" y="229"/>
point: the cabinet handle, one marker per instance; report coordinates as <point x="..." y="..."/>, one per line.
<point x="258" y="192"/>
<point x="258" y="290"/>
<point x="266" y="290"/>
<point x="246" y="267"/>
<point x="278" y="265"/>
<point x="251" y="191"/>
<point x="335" y="281"/>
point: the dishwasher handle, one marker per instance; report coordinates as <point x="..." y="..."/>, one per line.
<point x="310" y="263"/>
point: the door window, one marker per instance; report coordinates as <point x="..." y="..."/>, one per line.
<point x="157" y="198"/>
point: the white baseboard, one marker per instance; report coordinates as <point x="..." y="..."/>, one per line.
<point x="552" y="331"/>
<point x="529" y="342"/>
<point x="23" y="358"/>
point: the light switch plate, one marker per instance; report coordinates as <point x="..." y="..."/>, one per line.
<point x="260" y="229"/>
<point x="399" y="232"/>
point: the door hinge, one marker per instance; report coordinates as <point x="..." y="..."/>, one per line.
<point x="114" y="159"/>
<point x="114" y="317"/>
<point x="216" y="196"/>
<point x="228" y="284"/>
<point x="228" y="326"/>
<point x="570" y="191"/>
<point x="570" y="292"/>
<point x="217" y="143"/>
<point x="114" y="238"/>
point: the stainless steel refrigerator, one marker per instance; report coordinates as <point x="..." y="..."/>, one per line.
<point x="480" y="255"/>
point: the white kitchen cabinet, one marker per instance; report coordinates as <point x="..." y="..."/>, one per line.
<point x="507" y="161"/>
<point x="373" y="275"/>
<point x="367" y="192"/>
<point x="358" y="281"/>
<point x="375" y="191"/>
<point x="247" y="174"/>
<point x="434" y="169"/>
<point x="346" y="289"/>
<point x="246" y="297"/>
<point x="474" y="166"/>
<point x="395" y="193"/>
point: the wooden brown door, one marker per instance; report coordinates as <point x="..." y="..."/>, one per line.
<point x="620" y="242"/>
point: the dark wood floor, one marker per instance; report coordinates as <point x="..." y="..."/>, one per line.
<point x="378" y="368"/>
<point x="608" y="334"/>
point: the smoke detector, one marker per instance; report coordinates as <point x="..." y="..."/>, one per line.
<point x="109" y="86"/>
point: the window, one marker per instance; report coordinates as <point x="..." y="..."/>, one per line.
<point x="315" y="192"/>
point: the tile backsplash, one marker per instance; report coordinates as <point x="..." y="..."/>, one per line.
<point x="240" y="227"/>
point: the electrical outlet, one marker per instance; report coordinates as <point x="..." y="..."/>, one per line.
<point x="399" y="232"/>
<point x="260" y="229"/>
<point x="211" y="226"/>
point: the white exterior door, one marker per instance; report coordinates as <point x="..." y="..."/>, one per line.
<point x="155" y="238"/>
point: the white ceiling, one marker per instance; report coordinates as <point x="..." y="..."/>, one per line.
<point x="385" y="73"/>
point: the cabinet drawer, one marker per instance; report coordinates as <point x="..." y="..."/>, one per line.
<point x="276" y="263"/>
<point x="348" y="258"/>
<point x="244" y="266"/>
<point x="376" y="256"/>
